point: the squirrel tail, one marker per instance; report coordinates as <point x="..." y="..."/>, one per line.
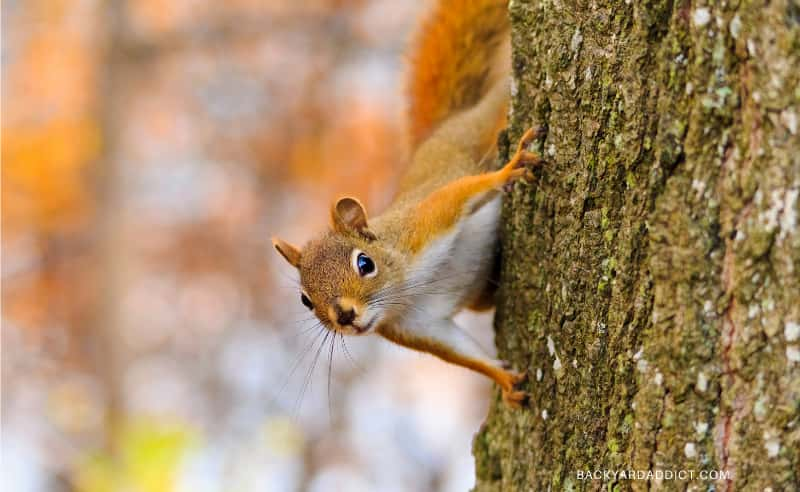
<point x="461" y="50"/>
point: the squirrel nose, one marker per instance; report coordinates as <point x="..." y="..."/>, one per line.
<point x="345" y="317"/>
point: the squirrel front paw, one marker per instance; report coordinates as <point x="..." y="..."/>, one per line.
<point x="513" y="397"/>
<point x="521" y="163"/>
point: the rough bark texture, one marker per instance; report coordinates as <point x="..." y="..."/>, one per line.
<point x="651" y="280"/>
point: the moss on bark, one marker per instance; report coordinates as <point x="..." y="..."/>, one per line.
<point x="651" y="279"/>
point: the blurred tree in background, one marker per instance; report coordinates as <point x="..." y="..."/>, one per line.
<point x="150" y="149"/>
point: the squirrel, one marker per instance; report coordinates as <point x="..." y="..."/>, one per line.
<point x="405" y="273"/>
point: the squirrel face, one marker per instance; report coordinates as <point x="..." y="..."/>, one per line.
<point x="343" y="272"/>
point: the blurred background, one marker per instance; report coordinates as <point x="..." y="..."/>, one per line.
<point x="151" y="338"/>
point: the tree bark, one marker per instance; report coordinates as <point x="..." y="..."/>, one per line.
<point x="650" y="280"/>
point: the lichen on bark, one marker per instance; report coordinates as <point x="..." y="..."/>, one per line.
<point x="651" y="277"/>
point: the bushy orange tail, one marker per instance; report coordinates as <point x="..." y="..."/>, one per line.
<point x="459" y="51"/>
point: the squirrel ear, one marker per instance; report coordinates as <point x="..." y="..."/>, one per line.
<point x="348" y="215"/>
<point x="289" y="252"/>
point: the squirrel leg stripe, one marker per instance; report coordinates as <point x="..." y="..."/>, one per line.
<point x="443" y="208"/>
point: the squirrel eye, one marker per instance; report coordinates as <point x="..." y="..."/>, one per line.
<point x="363" y="264"/>
<point x="306" y="301"/>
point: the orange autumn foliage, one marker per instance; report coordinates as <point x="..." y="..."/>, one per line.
<point x="44" y="182"/>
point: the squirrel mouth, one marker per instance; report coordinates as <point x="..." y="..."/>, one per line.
<point x="365" y="328"/>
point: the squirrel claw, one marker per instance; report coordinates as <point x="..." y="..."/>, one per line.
<point x="520" y="173"/>
<point x="530" y="135"/>
<point x="515" y="399"/>
<point x="527" y="158"/>
<point x="518" y="377"/>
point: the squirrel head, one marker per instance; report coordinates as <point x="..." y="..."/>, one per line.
<point x="343" y="272"/>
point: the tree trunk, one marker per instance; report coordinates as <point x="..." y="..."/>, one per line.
<point x="651" y="278"/>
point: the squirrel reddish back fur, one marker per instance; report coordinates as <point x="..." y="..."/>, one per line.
<point x="459" y="51"/>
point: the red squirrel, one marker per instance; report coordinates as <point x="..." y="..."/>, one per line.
<point x="405" y="273"/>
